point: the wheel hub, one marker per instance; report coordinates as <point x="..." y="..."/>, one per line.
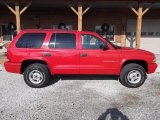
<point x="134" y="76"/>
<point x="35" y="76"/>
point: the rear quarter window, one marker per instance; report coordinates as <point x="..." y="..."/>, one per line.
<point x="31" y="40"/>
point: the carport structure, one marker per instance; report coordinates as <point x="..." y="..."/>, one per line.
<point x="81" y="7"/>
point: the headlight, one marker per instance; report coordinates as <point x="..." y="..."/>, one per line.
<point x="154" y="60"/>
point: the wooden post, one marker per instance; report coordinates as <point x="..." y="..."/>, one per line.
<point x="123" y="37"/>
<point x="17" y="12"/>
<point x="139" y="14"/>
<point x="139" y="25"/>
<point x="18" y="20"/>
<point x="80" y="12"/>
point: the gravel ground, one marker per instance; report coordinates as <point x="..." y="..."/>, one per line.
<point x="78" y="98"/>
<point x="158" y="62"/>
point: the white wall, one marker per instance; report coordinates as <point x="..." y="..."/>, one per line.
<point x="148" y="42"/>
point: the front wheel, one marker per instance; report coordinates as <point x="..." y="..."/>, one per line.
<point x="132" y="75"/>
<point x="36" y="75"/>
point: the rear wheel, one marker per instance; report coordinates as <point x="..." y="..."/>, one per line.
<point x="36" y="75"/>
<point x="132" y="75"/>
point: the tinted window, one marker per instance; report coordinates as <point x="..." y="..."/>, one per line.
<point x="63" y="40"/>
<point x="31" y="40"/>
<point x="91" y="42"/>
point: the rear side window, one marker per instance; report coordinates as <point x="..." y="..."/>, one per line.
<point x="63" y="41"/>
<point x="31" y="40"/>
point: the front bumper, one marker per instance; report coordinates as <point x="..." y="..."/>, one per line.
<point x="12" y="67"/>
<point x="152" y="67"/>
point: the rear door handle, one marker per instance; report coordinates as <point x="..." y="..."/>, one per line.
<point x="83" y="55"/>
<point x="47" y="54"/>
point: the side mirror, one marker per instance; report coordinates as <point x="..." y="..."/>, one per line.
<point x="104" y="47"/>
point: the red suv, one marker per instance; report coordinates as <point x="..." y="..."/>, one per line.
<point x="38" y="54"/>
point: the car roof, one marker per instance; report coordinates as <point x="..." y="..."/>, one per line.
<point x="54" y="30"/>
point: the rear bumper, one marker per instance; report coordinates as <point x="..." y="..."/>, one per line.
<point x="152" y="67"/>
<point x="12" y="67"/>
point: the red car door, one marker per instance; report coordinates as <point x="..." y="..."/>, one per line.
<point x="62" y="53"/>
<point x="91" y="55"/>
<point x="95" y="60"/>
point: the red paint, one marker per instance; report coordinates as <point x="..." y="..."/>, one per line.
<point x="70" y="61"/>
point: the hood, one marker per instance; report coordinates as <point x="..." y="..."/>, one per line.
<point x="138" y="51"/>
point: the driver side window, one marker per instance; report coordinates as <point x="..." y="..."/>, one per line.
<point x="91" y="42"/>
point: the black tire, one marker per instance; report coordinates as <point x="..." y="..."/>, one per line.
<point x="36" y="75"/>
<point x="132" y="75"/>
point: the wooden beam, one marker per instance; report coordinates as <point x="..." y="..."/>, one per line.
<point x="18" y="21"/>
<point x="80" y="12"/>
<point x="134" y="10"/>
<point x="146" y="10"/>
<point x="87" y="9"/>
<point x="26" y="7"/>
<point x="139" y="25"/>
<point x="72" y="8"/>
<point x="9" y="7"/>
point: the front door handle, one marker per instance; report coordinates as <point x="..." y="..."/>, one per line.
<point x="83" y="55"/>
<point x="47" y="54"/>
